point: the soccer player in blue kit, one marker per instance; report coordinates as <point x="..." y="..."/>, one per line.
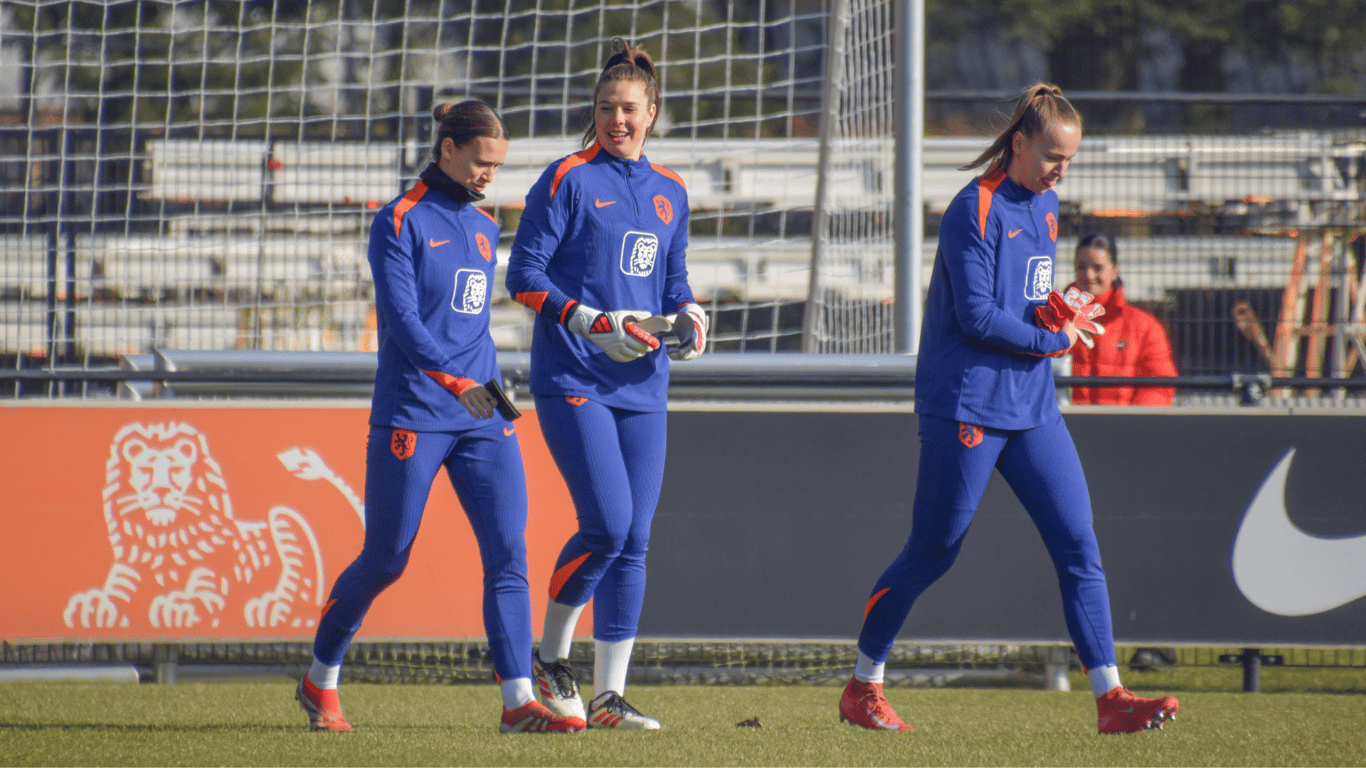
<point x="985" y="400"/>
<point x="432" y="257"/>
<point x="601" y="244"/>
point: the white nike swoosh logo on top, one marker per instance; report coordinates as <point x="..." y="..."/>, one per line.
<point x="1285" y="571"/>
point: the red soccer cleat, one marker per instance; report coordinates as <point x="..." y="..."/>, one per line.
<point x="323" y="707"/>
<point x="537" y="718"/>
<point x="864" y="705"/>
<point x="1122" y="712"/>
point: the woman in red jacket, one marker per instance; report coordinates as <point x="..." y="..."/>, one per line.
<point x="1133" y="344"/>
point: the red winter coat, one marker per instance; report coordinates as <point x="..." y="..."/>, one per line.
<point x="1133" y="344"/>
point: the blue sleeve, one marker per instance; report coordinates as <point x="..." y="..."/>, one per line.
<point x="391" y="264"/>
<point x="676" y="289"/>
<point x="971" y="263"/>
<point x="539" y="232"/>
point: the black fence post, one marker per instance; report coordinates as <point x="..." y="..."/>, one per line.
<point x="1252" y="660"/>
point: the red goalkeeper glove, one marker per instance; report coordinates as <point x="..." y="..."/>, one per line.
<point x="1076" y="307"/>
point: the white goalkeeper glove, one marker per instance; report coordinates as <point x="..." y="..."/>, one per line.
<point x="690" y="328"/>
<point x="615" y="331"/>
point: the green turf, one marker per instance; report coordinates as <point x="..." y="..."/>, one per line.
<point x="258" y="723"/>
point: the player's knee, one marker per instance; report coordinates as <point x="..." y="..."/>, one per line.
<point x="507" y="553"/>
<point x="384" y="568"/>
<point x="608" y="541"/>
<point x="506" y="580"/>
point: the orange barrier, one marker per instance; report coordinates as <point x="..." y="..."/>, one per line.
<point x="220" y="523"/>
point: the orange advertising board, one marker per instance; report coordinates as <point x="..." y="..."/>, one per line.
<point x="229" y="523"/>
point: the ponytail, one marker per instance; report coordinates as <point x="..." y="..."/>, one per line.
<point x="1040" y="106"/>
<point x="631" y="65"/>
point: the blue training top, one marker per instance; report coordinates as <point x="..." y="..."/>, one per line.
<point x="981" y="357"/>
<point x="611" y="233"/>
<point x="432" y="259"/>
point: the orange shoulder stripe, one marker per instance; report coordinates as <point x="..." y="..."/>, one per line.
<point x="408" y="201"/>
<point x="570" y="163"/>
<point x="666" y="172"/>
<point x="486" y="213"/>
<point x="986" y="186"/>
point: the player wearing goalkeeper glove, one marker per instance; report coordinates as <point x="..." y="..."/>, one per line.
<point x="985" y="401"/>
<point x="429" y="411"/>
<point x="600" y="248"/>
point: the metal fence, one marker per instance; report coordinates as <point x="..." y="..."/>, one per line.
<point x="676" y="662"/>
<point x="203" y="179"/>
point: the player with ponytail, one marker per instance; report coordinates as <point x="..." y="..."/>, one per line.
<point x="985" y="401"/>
<point x="601" y="247"/>
<point x="430" y="411"/>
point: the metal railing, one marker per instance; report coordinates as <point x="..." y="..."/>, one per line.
<point x="228" y="374"/>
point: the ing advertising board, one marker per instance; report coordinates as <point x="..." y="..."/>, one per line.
<point x="216" y="523"/>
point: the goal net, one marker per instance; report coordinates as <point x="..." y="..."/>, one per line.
<point x="201" y="176"/>
<point x="851" y="295"/>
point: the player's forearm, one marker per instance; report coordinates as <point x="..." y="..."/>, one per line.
<point x="541" y="295"/>
<point x="416" y="343"/>
<point x="985" y="323"/>
<point x="529" y="284"/>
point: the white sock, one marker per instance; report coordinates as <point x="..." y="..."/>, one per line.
<point x="1103" y="679"/>
<point x="516" y="693"/>
<point x="868" y="671"/>
<point x="325" y="676"/>
<point x="611" y="660"/>
<point x="558" y="636"/>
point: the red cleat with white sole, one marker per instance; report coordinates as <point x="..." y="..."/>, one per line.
<point x="535" y="717"/>
<point x="323" y="707"/>
<point x="864" y="705"/>
<point x="1119" y="711"/>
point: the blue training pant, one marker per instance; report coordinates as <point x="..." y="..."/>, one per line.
<point x="1042" y="467"/>
<point x="485" y="467"/>
<point x="612" y="461"/>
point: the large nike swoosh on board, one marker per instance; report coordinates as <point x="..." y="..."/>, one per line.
<point x="1288" y="572"/>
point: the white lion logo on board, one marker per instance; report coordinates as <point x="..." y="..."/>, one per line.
<point x="180" y="557"/>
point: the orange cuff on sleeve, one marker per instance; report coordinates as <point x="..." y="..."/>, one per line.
<point x="453" y="383"/>
<point x="533" y="299"/>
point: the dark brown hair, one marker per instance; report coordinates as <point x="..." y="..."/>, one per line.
<point x="631" y="65"/>
<point x="1101" y="241"/>
<point x="1104" y="243"/>
<point x="1040" y="106"/>
<point x="465" y="122"/>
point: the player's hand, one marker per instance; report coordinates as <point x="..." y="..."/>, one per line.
<point x="1072" y="333"/>
<point x="467" y="391"/>
<point x="478" y="402"/>
<point x="614" y="331"/>
<point x="1075" y="308"/>
<point x="690" y="327"/>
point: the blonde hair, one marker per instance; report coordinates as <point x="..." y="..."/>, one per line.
<point x="631" y="65"/>
<point x="1040" y="106"/>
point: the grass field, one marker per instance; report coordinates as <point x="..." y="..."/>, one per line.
<point x="257" y="723"/>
